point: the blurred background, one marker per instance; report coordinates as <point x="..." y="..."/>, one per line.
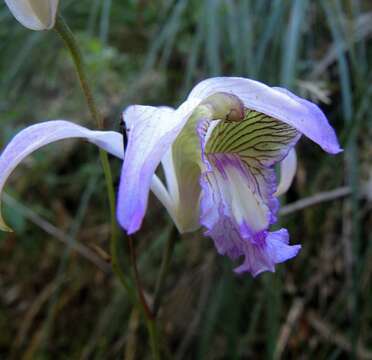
<point x="58" y="297"/>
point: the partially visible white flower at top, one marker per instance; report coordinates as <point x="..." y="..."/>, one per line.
<point x="34" y="14"/>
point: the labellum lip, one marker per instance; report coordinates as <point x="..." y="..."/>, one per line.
<point x="238" y="198"/>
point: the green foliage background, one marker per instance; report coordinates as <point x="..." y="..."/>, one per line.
<point x="55" y="304"/>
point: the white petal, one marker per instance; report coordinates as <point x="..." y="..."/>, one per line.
<point x="159" y="190"/>
<point x="39" y="135"/>
<point x="151" y="132"/>
<point x="170" y="175"/>
<point x="34" y="14"/>
<point x="288" y="168"/>
<point x="245" y="203"/>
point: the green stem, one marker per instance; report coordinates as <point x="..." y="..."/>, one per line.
<point x="154" y="342"/>
<point x="141" y="295"/>
<point x="148" y="315"/>
<point x="71" y="44"/>
<point x="167" y="255"/>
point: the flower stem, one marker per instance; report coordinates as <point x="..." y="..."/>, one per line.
<point x="71" y="44"/>
<point x="154" y="342"/>
<point x="141" y="295"/>
<point x="149" y="316"/>
<point x="167" y="255"/>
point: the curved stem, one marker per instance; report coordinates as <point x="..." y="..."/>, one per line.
<point x="167" y="255"/>
<point x="71" y="44"/>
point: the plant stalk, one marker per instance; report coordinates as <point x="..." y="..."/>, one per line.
<point x="164" y="267"/>
<point x="71" y="44"/>
<point x="148" y="315"/>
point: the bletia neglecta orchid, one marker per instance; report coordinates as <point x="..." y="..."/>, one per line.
<point x="218" y="150"/>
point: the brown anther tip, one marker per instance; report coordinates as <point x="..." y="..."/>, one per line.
<point x="225" y="106"/>
<point x="235" y="115"/>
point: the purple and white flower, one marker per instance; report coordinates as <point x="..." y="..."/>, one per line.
<point x="218" y="151"/>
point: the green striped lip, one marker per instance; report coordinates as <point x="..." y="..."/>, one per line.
<point x="258" y="139"/>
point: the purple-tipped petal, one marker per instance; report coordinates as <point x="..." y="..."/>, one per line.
<point x="303" y="115"/>
<point x="270" y="249"/>
<point x="151" y="132"/>
<point x="39" y="135"/>
<point x="238" y="186"/>
<point x="244" y="153"/>
<point x="261" y="250"/>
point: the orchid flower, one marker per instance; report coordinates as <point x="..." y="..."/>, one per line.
<point x="34" y="14"/>
<point x="218" y="151"/>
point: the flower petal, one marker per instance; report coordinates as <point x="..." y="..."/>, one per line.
<point x="288" y="168"/>
<point x="238" y="203"/>
<point x="248" y="196"/>
<point x="261" y="257"/>
<point x="160" y="191"/>
<point x="184" y="191"/>
<point x="261" y="251"/>
<point x="151" y="132"/>
<point x="170" y="175"/>
<point x="36" y="136"/>
<point x="278" y="103"/>
<point x="34" y="14"/>
<point x="244" y="153"/>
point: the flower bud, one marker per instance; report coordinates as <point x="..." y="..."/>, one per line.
<point x="34" y="14"/>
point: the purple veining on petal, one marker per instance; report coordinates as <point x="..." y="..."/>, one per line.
<point x="261" y="250"/>
<point x="224" y="161"/>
